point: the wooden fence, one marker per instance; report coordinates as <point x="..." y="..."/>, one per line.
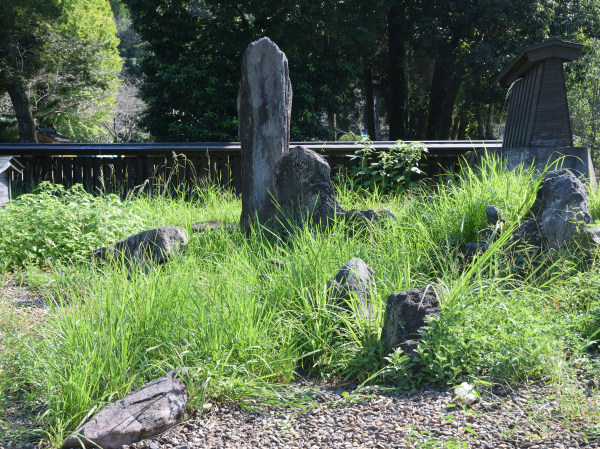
<point x="152" y="167"/>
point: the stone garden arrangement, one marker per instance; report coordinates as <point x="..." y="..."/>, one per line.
<point x="284" y="189"/>
<point x="288" y="192"/>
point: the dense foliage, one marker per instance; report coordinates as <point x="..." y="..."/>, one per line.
<point x="60" y="224"/>
<point x="385" y="170"/>
<point x="59" y="65"/>
<point x="430" y="66"/>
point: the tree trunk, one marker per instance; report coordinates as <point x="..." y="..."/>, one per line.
<point x="369" y="103"/>
<point x="20" y="102"/>
<point x="444" y="90"/>
<point x="397" y="98"/>
<point x="489" y="126"/>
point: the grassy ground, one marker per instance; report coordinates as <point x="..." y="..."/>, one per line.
<point x="245" y="325"/>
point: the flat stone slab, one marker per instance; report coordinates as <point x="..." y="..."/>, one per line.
<point x="148" y="411"/>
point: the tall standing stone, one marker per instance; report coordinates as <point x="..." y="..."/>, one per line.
<point x="264" y="114"/>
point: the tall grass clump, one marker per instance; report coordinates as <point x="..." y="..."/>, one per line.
<point x="246" y="313"/>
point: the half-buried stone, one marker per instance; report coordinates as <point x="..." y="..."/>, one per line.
<point x="148" y="411"/>
<point x="147" y="248"/>
<point x="355" y="280"/>
<point x="559" y="213"/>
<point x="406" y="313"/>
<point x="303" y="189"/>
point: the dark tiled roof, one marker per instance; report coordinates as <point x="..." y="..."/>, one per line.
<point x="50" y="135"/>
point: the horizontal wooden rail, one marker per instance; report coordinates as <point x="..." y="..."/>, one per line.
<point x="451" y="147"/>
<point x="123" y="167"/>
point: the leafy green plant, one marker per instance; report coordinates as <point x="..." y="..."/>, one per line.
<point x="58" y="224"/>
<point x="392" y="169"/>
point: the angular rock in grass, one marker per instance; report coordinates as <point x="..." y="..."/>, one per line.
<point x="560" y="211"/>
<point x="406" y="313"/>
<point x="354" y="278"/>
<point x="148" y="411"/>
<point x="303" y="189"/>
<point x="592" y="237"/>
<point x="493" y="215"/>
<point x="367" y="216"/>
<point x="472" y="249"/>
<point x="202" y="226"/>
<point x="264" y="114"/>
<point x="148" y="247"/>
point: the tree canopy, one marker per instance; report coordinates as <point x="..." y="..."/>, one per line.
<point x="432" y="65"/>
<point x="59" y="64"/>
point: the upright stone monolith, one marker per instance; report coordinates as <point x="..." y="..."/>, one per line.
<point x="264" y="113"/>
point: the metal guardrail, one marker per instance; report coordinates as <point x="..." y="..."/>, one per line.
<point x="435" y="147"/>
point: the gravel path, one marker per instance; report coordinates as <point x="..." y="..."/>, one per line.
<point x="521" y="418"/>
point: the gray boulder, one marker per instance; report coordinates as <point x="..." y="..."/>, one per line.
<point x="211" y="225"/>
<point x="472" y="249"/>
<point x="148" y="247"/>
<point x="560" y="211"/>
<point x="367" y="216"/>
<point x="406" y="313"/>
<point x="493" y="215"/>
<point x="354" y="278"/>
<point x="148" y="411"/>
<point x="264" y="114"/>
<point x="303" y="188"/>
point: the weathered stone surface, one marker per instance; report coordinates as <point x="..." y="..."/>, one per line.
<point x="367" y="216"/>
<point x="210" y="225"/>
<point x="303" y="188"/>
<point x="472" y="249"/>
<point x="357" y="278"/>
<point x="264" y="113"/>
<point x="152" y="246"/>
<point x="560" y="211"/>
<point x="592" y="237"/>
<point x="493" y="215"/>
<point x="148" y="411"/>
<point x="406" y="314"/>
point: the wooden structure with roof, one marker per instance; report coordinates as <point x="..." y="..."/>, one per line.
<point x="8" y="166"/>
<point x="538" y="125"/>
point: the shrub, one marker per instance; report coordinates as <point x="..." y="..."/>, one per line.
<point x="393" y="169"/>
<point x="55" y="223"/>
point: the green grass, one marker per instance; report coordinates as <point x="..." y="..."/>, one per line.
<point x="244" y="326"/>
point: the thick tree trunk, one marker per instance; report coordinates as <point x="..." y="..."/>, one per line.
<point x="369" y="103"/>
<point x="444" y="90"/>
<point x="397" y="94"/>
<point x="20" y="102"/>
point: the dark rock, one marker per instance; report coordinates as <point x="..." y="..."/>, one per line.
<point x="148" y="411"/>
<point x="303" y="188"/>
<point x="471" y="249"/>
<point x="210" y="225"/>
<point x="370" y="216"/>
<point x="354" y="278"/>
<point x="560" y="211"/>
<point x="264" y="114"/>
<point x="406" y="313"/>
<point x="493" y="215"/>
<point x="529" y="233"/>
<point x="148" y="247"/>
